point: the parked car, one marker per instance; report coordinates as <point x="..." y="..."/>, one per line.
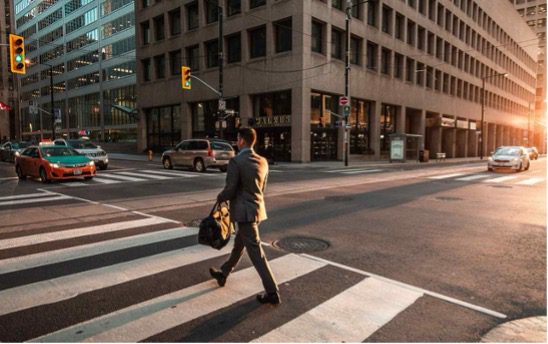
<point x="509" y="157"/>
<point x="199" y="154"/>
<point x="9" y="149"/>
<point x="533" y="153"/>
<point x="87" y="148"/>
<point x="52" y="162"/>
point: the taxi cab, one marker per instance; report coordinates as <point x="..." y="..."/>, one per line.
<point x="52" y="162"/>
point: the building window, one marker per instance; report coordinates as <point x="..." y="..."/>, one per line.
<point x="387" y="19"/>
<point x="372" y="13"/>
<point x="355" y="50"/>
<point x="145" y="33"/>
<point x="257" y="42"/>
<point x="372" y="49"/>
<point x="386" y="61"/>
<point x="338" y="4"/>
<point x="233" y="7"/>
<point x="160" y="66"/>
<point x="175" y="22"/>
<point x="410" y="32"/>
<point x="336" y="44"/>
<point x="317" y="36"/>
<point x="398" y="66"/>
<point x="193" y="57"/>
<point x="410" y="70"/>
<point x="175" y="62"/>
<point x="256" y="3"/>
<point x="234" y="48"/>
<point x="146" y="3"/>
<point x="421" y="32"/>
<point x="159" y="28"/>
<point x="212" y="53"/>
<point x="356" y="8"/>
<point x="283" y="34"/>
<point x="212" y="11"/>
<point x="420" y="72"/>
<point x="400" y="27"/>
<point x="192" y="15"/>
<point x="146" y="69"/>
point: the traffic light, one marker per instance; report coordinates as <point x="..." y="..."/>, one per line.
<point x="185" y="74"/>
<point x="17" y="54"/>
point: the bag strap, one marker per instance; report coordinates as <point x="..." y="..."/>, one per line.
<point x="216" y="206"/>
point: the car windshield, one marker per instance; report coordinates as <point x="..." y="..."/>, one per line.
<point x="508" y="151"/>
<point x="19" y="145"/>
<point x="58" y="151"/>
<point x="82" y="144"/>
<point x="221" y="146"/>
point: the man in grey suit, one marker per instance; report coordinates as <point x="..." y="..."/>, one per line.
<point x="245" y="185"/>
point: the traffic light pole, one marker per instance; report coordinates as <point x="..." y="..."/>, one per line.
<point x="346" y="79"/>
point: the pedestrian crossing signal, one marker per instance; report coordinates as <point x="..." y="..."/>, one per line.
<point x="17" y="54"/>
<point x="185" y="74"/>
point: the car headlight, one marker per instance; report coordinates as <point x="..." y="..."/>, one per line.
<point x="489" y="159"/>
<point x="515" y="160"/>
<point x="55" y="165"/>
<point x="17" y="154"/>
<point x="91" y="163"/>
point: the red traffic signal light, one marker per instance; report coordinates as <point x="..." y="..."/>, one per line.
<point x="185" y="75"/>
<point x="17" y="54"/>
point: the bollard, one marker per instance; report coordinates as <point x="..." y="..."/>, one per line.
<point x="150" y="155"/>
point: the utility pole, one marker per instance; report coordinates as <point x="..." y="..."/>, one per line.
<point x="346" y="79"/>
<point x="222" y="104"/>
<point x="482" y="115"/>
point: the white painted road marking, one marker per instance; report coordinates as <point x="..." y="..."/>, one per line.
<point x="530" y="181"/>
<point x="105" y="181"/>
<point x="126" y="178"/>
<point x="447" y="176"/>
<point x="151" y="176"/>
<point x="35" y="200"/>
<point x="474" y="177"/>
<point x="499" y="179"/>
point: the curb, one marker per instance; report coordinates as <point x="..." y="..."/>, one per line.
<point x="526" y="330"/>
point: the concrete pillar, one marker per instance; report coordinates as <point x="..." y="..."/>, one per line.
<point x="499" y="139"/>
<point x="462" y="143"/>
<point x="376" y="130"/>
<point x="491" y="142"/>
<point x="402" y="116"/>
<point x="142" y="132"/>
<point x="420" y="127"/>
<point x="449" y="142"/>
<point x="300" y="124"/>
<point x="472" y="143"/>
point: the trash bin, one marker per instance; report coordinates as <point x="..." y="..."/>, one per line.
<point x="424" y="155"/>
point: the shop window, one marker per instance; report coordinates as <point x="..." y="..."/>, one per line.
<point x="389" y="114"/>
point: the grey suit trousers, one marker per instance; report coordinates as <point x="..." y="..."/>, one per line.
<point x="248" y="237"/>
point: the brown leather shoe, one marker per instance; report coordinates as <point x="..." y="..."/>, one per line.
<point x="272" y="298"/>
<point x="218" y="275"/>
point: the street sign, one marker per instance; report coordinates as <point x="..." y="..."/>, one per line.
<point x="222" y="105"/>
<point x="344" y="100"/>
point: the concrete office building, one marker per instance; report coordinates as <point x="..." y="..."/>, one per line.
<point x="534" y="13"/>
<point x="416" y="67"/>
<point x="88" y="48"/>
<point x="7" y="86"/>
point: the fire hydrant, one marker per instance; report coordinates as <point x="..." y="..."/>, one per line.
<point x="149" y="155"/>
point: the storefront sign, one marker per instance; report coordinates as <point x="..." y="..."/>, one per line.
<point x="473" y="126"/>
<point x="447" y="122"/>
<point x="396" y="149"/>
<point x="273" y="121"/>
<point x="462" y="124"/>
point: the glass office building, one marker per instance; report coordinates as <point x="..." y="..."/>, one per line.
<point x="84" y="52"/>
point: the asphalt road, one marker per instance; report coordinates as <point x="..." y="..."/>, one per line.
<point x="443" y="253"/>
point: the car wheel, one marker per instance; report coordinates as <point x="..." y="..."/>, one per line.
<point x="19" y="172"/>
<point x="88" y="178"/>
<point x="489" y="169"/>
<point x="44" y="175"/>
<point x="223" y="168"/>
<point x="528" y="165"/>
<point x="103" y="167"/>
<point x="199" y="165"/>
<point x="167" y="164"/>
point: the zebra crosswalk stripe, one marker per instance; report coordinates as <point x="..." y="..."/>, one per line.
<point x="530" y="181"/>
<point x="350" y="316"/>
<point x="171" y="173"/>
<point x="31" y="195"/>
<point x="473" y="177"/>
<point x="51" y="197"/>
<point x="499" y="179"/>
<point x="78" y="232"/>
<point x="144" y="320"/>
<point x="446" y="176"/>
<point x="139" y="175"/>
<point x="126" y="178"/>
<point x="105" y="181"/>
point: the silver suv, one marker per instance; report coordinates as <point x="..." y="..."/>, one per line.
<point x="85" y="147"/>
<point x="199" y="154"/>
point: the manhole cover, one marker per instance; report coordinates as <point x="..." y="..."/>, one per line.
<point x="338" y="198"/>
<point x="301" y="244"/>
<point x="449" y="198"/>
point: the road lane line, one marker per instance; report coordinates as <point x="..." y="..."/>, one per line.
<point x="151" y="176"/>
<point x="447" y="176"/>
<point x="347" y="170"/>
<point x="144" y="320"/>
<point x="31" y="195"/>
<point x="105" y="180"/>
<point x="408" y="286"/>
<point x="530" y="181"/>
<point x="75" y="252"/>
<point x="362" y="171"/>
<point x="35" y="200"/>
<point x="499" y="179"/>
<point x="67" y="287"/>
<point x="73" y="184"/>
<point x="77" y="232"/>
<point x="474" y="177"/>
<point x="349" y="317"/>
<point x="171" y="173"/>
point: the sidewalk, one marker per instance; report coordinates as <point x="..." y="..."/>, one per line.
<point x="354" y="162"/>
<point x="527" y="330"/>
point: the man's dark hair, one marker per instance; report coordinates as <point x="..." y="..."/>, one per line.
<point x="248" y="135"/>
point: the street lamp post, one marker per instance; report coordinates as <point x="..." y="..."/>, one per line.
<point x="483" y="107"/>
<point x="51" y="97"/>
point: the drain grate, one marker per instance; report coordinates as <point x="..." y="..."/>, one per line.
<point x="299" y="244"/>
<point x="444" y="198"/>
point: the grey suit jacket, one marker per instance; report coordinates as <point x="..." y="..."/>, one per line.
<point x="245" y="184"/>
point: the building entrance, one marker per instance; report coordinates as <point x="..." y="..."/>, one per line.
<point x="274" y="143"/>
